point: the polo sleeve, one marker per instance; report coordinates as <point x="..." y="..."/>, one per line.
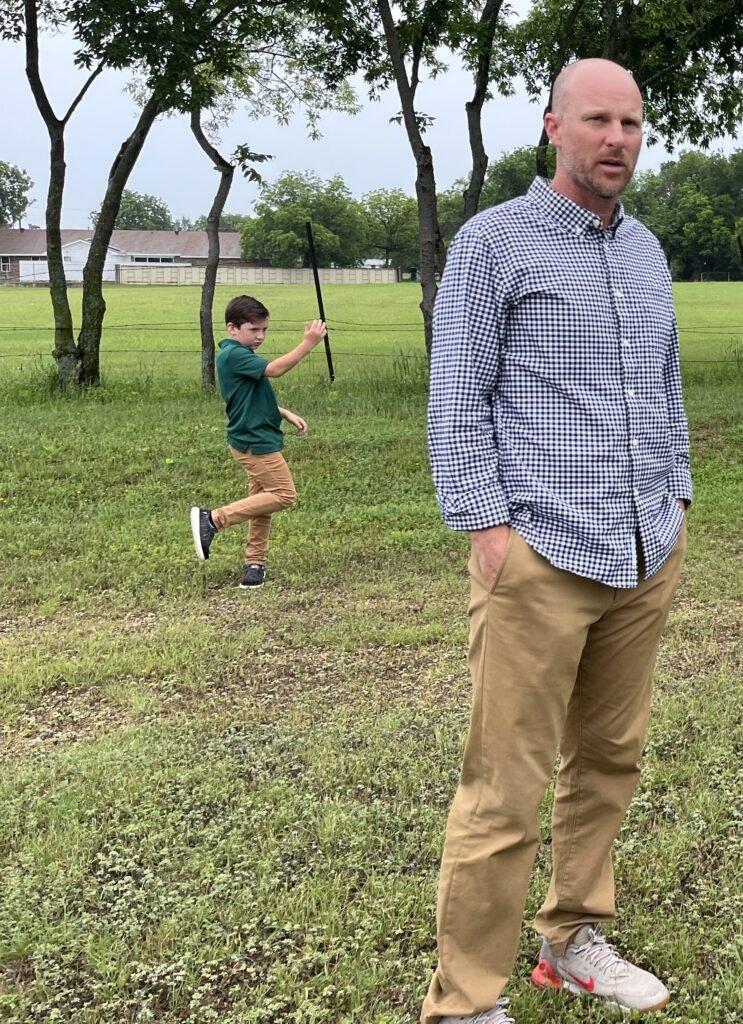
<point x="469" y="320"/>
<point x="245" y="363"/>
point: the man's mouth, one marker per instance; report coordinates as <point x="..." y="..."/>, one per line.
<point x="613" y="164"/>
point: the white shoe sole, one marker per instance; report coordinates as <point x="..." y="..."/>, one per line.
<point x="196" y="531"/>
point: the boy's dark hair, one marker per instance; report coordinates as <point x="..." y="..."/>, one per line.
<point x="244" y="310"/>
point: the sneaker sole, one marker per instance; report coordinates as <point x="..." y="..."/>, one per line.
<point x="196" y="531"/>
<point x="544" y="976"/>
<point x="249" y="586"/>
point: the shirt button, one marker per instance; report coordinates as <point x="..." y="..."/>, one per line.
<point x="630" y="393"/>
<point x="625" y="343"/>
<point x="636" y="493"/>
<point x="596" y="222"/>
<point x="634" y="442"/>
<point x="619" y="293"/>
<point x="578" y="230"/>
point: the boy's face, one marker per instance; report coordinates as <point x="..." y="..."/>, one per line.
<point x="251" y="335"/>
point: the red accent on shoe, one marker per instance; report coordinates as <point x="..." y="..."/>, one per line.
<point x="544" y="975"/>
<point x="589" y="985"/>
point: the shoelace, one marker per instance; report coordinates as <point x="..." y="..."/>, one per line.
<point x="599" y="952"/>
<point x="497" y="1015"/>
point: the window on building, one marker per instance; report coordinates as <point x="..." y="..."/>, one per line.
<point x="4" y="264"/>
<point x="153" y="259"/>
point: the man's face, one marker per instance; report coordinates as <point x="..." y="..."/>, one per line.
<point x="248" y="334"/>
<point x="598" y="134"/>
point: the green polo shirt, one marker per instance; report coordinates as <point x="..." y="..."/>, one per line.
<point x="253" y="417"/>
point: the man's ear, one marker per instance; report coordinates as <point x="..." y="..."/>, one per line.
<point x="551" y="126"/>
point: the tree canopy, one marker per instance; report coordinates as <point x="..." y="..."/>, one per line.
<point x="277" y="232"/>
<point x="392" y="227"/>
<point x="141" y="212"/>
<point x="15" y="185"/>
<point x="693" y="205"/>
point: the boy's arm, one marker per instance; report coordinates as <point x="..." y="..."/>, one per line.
<point x="313" y="334"/>
<point x="297" y="421"/>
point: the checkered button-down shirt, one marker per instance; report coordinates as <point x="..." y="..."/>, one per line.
<point x="555" y="400"/>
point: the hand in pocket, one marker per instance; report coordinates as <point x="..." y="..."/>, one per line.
<point x="489" y="548"/>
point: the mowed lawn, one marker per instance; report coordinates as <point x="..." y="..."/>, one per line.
<point x="229" y="806"/>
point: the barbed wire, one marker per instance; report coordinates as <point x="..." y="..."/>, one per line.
<point x="402" y="354"/>
<point x="406" y="326"/>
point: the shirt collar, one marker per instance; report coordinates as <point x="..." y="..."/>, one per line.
<point x="574" y="218"/>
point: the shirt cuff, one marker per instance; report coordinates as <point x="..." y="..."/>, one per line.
<point x="475" y="510"/>
<point x="679" y="484"/>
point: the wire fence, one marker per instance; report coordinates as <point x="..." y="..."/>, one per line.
<point x="731" y="332"/>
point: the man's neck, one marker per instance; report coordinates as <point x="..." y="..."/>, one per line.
<point x="602" y="206"/>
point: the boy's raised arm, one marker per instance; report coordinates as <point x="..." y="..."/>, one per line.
<point x="313" y="334"/>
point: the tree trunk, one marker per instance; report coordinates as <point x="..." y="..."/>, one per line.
<point x="431" y="245"/>
<point x="206" y="312"/>
<point x="542" y="168"/>
<point x="486" y="33"/>
<point x="66" y="352"/>
<point x="432" y="254"/>
<point x="94" y="305"/>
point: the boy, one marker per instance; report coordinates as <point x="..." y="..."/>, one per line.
<point x="253" y="431"/>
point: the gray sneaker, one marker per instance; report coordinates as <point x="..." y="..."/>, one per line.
<point x="495" y="1015"/>
<point x="253" y="577"/>
<point x="591" y="966"/>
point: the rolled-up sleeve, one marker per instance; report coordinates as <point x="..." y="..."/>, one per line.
<point x="469" y="320"/>
<point x="679" y="481"/>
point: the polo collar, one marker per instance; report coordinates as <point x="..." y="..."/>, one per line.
<point x="572" y="217"/>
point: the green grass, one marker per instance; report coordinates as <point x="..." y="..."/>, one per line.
<point x="229" y="806"/>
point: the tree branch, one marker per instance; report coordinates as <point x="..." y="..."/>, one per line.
<point x="78" y="99"/>
<point x="211" y="151"/>
<point x="486" y="35"/>
<point x="32" y="66"/>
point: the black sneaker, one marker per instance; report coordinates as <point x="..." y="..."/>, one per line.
<point x="253" y="577"/>
<point x="203" y="532"/>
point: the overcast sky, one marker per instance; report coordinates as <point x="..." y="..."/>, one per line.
<point x="366" y="149"/>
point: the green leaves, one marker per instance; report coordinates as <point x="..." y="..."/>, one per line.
<point x="277" y="233"/>
<point x="141" y="212"/>
<point x="15" y="185"/>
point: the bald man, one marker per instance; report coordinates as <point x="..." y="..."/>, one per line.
<point x="559" y="443"/>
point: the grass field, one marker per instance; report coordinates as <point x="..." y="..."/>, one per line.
<point x="224" y="806"/>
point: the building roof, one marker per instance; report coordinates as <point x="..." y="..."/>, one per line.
<point x="187" y="244"/>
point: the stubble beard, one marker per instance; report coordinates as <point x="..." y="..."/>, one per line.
<point x="583" y="178"/>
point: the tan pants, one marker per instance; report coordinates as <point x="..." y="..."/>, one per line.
<point x="557" y="662"/>
<point x="271" y="489"/>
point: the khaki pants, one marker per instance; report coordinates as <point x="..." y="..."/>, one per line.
<point x="563" y="663"/>
<point x="271" y="489"/>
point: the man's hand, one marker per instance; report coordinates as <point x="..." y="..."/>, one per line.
<point x="296" y="421"/>
<point x="489" y="548"/>
<point x="681" y="504"/>
<point x="314" y="332"/>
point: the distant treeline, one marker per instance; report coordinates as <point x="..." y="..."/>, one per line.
<point x="694" y="204"/>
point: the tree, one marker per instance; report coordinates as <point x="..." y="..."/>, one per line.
<point x="141" y="212"/>
<point x="392" y="233"/>
<point x="170" y="43"/>
<point x="15" y="185"/>
<point x="403" y="44"/>
<point x="277" y="231"/>
<point x="508" y="177"/>
<point x="685" y="57"/>
<point x="227" y="222"/>
<point x="299" y="69"/>
<point x="693" y="204"/>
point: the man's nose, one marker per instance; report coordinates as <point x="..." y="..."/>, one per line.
<point x="614" y="133"/>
